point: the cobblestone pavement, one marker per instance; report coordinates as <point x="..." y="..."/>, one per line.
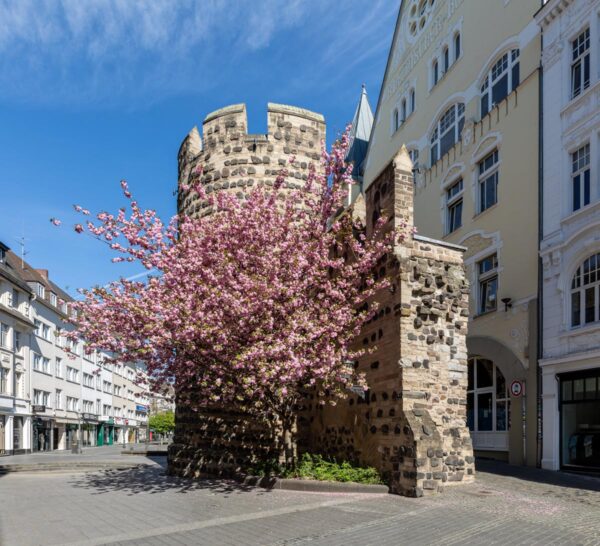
<point x="144" y="507"/>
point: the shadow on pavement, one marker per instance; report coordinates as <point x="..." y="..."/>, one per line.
<point x="154" y="479"/>
<point x="538" y="475"/>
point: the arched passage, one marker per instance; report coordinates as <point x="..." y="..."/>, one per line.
<point x="495" y="417"/>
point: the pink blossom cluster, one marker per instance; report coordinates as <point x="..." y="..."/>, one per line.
<point x="250" y="305"/>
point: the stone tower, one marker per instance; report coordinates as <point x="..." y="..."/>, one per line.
<point x="411" y="423"/>
<point x="234" y="160"/>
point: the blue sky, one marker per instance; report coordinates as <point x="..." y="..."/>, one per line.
<point x="95" y="91"/>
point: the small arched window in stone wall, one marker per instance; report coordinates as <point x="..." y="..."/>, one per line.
<point x="585" y="293"/>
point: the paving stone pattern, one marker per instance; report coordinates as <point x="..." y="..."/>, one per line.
<point x="146" y="507"/>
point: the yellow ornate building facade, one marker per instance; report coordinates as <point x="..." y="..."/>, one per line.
<point x="461" y="91"/>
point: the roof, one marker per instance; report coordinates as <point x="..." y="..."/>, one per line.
<point x="23" y="273"/>
<point x="360" y="131"/>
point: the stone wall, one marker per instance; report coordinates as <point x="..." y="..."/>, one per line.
<point x="411" y="423"/>
<point x="233" y="160"/>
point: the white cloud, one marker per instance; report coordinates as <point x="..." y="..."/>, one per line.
<point x="102" y="50"/>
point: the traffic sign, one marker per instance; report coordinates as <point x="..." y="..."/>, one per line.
<point x="517" y="388"/>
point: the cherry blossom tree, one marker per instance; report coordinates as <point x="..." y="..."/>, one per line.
<point x="249" y="306"/>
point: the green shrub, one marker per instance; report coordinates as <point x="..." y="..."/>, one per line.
<point x="315" y="467"/>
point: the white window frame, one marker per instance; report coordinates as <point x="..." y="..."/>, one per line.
<point x="476" y="391"/>
<point x="58" y="399"/>
<point x="503" y="65"/>
<point x="453" y="198"/>
<point x="585" y="282"/>
<point x="485" y="174"/>
<point x="580" y="167"/>
<point x="484" y="278"/>
<point x="442" y="128"/>
<point x="580" y="61"/>
<point x="4" y="335"/>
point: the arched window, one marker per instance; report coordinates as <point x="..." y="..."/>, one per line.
<point x="412" y="101"/>
<point x="403" y="119"/>
<point x="488" y="404"/>
<point x="501" y="80"/>
<point x="435" y="72"/>
<point x="585" y="292"/>
<point x="447" y="131"/>
<point x="446" y="56"/>
<point x="457" y="51"/>
<point x="395" y="120"/>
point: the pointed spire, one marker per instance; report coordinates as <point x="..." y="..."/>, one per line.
<point x="360" y="133"/>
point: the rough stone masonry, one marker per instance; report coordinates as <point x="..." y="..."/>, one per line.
<point x="411" y="423"/>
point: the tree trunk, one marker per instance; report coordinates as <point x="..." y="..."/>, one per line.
<point x="289" y="453"/>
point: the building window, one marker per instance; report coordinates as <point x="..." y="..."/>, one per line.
<point x="446" y="57"/>
<point x="15" y="298"/>
<point x="585" y="292"/>
<point x="487" y="272"/>
<point x="53" y="299"/>
<point x="580" y="177"/>
<point x="58" y="367"/>
<point x="435" y="73"/>
<point x="58" y="399"/>
<point x="72" y="404"/>
<point x="107" y="387"/>
<point x="395" y="120"/>
<point x="38" y="327"/>
<point x="580" y="65"/>
<point x="501" y="80"/>
<point x="412" y="102"/>
<point x="403" y="109"/>
<point x="4" y="381"/>
<point x="40" y="398"/>
<point x="41" y="363"/>
<point x="72" y="375"/>
<point x="454" y="206"/>
<point x="4" y="335"/>
<point x="447" y="131"/>
<point x="488" y="181"/>
<point x="488" y="403"/>
<point x="38" y="289"/>
<point x="18" y="345"/>
<point x="414" y="157"/>
<point x="88" y="380"/>
<point x="457" y="50"/>
<point x="45" y="331"/>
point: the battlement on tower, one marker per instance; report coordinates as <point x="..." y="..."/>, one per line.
<point x="231" y="159"/>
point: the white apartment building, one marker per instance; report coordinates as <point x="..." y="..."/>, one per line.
<point x="15" y="328"/>
<point x="52" y="394"/>
<point x="570" y="247"/>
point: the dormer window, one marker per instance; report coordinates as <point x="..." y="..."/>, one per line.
<point x="38" y="289"/>
<point x="53" y="299"/>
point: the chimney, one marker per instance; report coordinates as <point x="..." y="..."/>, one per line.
<point x="43" y="273"/>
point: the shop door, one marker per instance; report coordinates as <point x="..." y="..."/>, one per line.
<point x="580" y="420"/>
<point x="100" y="439"/>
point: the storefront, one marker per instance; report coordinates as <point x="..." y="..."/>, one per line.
<point x="580" y="420"/>
<point x="42" y="433"/>
<point x="105" y="435"/>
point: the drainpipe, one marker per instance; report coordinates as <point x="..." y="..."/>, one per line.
<point x="540" y="306"/>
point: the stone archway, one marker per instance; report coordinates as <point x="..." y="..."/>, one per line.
<point x="512" y="369"/>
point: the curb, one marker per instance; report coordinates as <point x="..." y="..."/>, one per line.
<point x="149" y="453"/>
<point x="62" y="467"/>
<point x="314" y="486"/>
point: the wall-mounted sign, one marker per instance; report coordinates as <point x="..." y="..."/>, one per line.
<point x="38" y="408"/>
<point x="139" y="407"/>
<point x="517" y="388"/>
